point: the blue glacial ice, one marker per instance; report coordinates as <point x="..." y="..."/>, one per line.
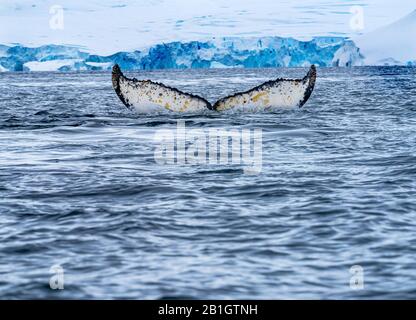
<point x="230" y="52"/>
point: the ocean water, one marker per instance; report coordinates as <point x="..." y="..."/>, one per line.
<point x="80" y="188"/>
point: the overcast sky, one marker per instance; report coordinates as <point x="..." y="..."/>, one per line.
<point x="106" y="26"/>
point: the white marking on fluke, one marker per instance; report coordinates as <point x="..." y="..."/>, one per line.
<point x="147" y="96"/>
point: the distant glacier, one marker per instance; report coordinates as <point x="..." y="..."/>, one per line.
<point x="231" y="52"/>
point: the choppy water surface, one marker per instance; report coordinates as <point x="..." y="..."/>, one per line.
<point x="79" y="187"/>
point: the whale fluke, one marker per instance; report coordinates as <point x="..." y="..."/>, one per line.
<point x="148" y="96"/>
<point x="279" y="93"/>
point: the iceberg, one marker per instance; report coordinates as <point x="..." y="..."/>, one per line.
<point x="348" y="55"/>
<point x="50" y="65"/>
<point x="390" y="45"/>
<point x="228" y="52"/>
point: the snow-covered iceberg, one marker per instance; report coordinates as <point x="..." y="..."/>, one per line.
<point x="228" y="52"/>
<point x="391" y="45"/>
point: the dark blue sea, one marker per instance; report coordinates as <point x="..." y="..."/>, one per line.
<point x="80" y="188"/>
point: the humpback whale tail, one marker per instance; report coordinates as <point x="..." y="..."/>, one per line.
<point x="147" y="96"/>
